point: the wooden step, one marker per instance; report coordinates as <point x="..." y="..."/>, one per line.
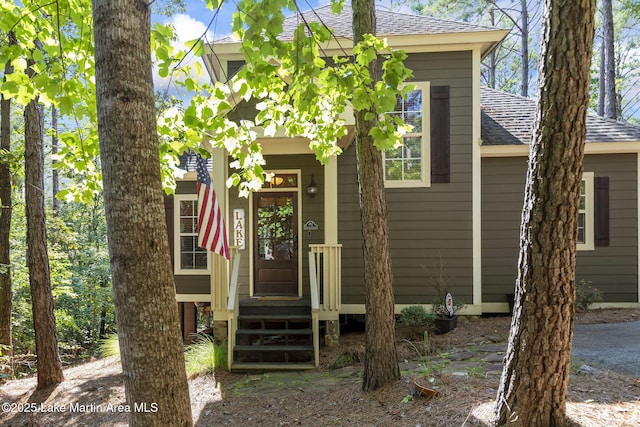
<point x="271" y="366"/>
<point x="274" y="347"/>
<point x="302" y="331"/>
<point x="301" y="317"/>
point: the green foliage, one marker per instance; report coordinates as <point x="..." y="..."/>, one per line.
<point x="204" y="356"/>
<point x="291" y="83"/>
<point x="424" y="356"/>
<point x="109" y="346"/>
<point x="63" y="61"/>
<point x="586" y="295"/>
<point x="416" y="315"/>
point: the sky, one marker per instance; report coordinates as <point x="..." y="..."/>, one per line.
<point x="198" y="21"/>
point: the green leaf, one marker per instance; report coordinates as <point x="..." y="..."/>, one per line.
<point x="337" y="6"/>
<point x="196" y="46"/>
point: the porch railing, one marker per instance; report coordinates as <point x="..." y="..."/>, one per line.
<point x="327" y="273"/>
<point x="232" y="309"/>
<point x="315" y="308"/>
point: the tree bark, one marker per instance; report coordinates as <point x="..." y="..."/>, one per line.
<point x="147" y="315"/>
<point x="602" y="94"/>
<point x="611" y="100"/>
<point x="492" y="55"/>
<point x="44" y="323"/>
<point x="380" y="361"/>
<point x="533" y="387"/>
<point x="55" y="184"/>
<point x="524" y="40"/>
<point x="6" y="208"/>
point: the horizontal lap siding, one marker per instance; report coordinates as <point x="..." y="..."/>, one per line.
<point x="425" y="224"/>
<point x="612" y="269"/>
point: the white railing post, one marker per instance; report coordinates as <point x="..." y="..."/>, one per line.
<point x="329" y="278"/>
<point x="232" y="309"/>
<point x="315" y="306"/>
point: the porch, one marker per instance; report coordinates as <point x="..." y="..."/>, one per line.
<point x="282" y="332"/>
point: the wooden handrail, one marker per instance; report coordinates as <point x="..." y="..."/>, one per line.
<point x="232" y="309"/>
<point x="315" y="306"/>
<point x="313" y="279"/>
<point x="233" y="284"/>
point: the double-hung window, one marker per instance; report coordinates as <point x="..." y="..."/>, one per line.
<point x="586" y="214"/>
<point x="189" y="257"/>
<point x="408" y="165"/>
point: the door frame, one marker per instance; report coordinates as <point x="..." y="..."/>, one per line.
<point x="251" y="237"/>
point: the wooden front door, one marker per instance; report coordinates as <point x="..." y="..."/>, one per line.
<point x="275" y="244"/>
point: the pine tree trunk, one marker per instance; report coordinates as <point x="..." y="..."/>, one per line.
<point x="55" y="184"/>
<point x="380" y="362"/>
<point x="6" y="208"/>
<point x="147" y="315"/>
<point x="533" y="388"/>
<point x="602" y="94"/>
<point x="49" y="365"/>
<point x="611" y="100"/>
<point x="524" y="40"/>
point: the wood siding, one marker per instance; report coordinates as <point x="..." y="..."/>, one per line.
<point x="613" y="269"/>
<point x="426" y="224"/>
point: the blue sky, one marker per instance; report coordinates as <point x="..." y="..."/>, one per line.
<point x="199" y="21"/>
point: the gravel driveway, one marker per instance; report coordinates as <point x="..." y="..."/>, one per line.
<point x="615" y="346"/>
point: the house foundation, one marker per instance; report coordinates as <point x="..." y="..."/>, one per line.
<point x="332" y="333"/>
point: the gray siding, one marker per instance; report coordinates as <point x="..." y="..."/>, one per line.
<point x="191" y="284"/>
<point x="426" y="224"/>
<point x="612" y="269"/>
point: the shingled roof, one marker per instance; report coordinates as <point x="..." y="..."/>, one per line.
<point x="387" y="24"/>
<point x="507" y="119"/>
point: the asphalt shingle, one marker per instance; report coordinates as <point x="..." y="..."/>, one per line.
<point x="387" y="24"/>
<point x="507" y="119"/>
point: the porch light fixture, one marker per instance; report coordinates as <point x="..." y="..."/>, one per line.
<point x="312" y="189"/>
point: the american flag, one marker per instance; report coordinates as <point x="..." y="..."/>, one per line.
<point x="211" y="231"/>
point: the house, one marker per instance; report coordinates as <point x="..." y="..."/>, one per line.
<point x="608" y="237"/>
<point x="454" y="196"/>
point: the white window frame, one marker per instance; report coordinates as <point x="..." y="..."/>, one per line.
<point x="425" y="163"/>
<point x="588" y="212"/>
<point x="176" y="238"/>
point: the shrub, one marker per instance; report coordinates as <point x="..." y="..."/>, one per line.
<point x="415" y="315"/>
<point x="109" y="346"/>
<point x="204" y="356"/>
<point x="586" y="295"/>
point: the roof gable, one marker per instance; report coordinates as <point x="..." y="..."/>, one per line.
<point x="387" y="23"/>
<point x="508" y="119"/>
<point x="417" y="33"/>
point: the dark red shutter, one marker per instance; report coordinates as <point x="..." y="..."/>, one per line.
<point x="601" y="207"/>
<point x="440" y="135"/>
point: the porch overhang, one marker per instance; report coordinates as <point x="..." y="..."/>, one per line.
<point x="299" y="145"/>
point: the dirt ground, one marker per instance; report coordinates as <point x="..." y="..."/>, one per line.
<point x="330" y="395"/>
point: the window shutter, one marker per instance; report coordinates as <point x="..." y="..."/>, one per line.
<point x="440" y="134"/>
<point x="168" y="212"/>
<point x="601" y="207"/>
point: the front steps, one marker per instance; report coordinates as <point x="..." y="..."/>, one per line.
<point x="274" y="334"/>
